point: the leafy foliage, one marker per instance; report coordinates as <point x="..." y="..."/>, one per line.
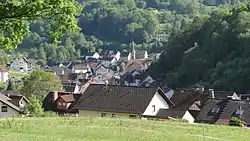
<point x="34" y="107"/>
<point x="15" y="13"/>
<point x="39" y="84"/>
<point x="2" y="86"/>
<point x="212" y="51"/>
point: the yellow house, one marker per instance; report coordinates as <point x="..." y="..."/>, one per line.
<point x="120" y="101"/>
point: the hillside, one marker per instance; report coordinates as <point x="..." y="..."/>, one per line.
<point x="213" y="51"/>
<point x="97" y="129"/>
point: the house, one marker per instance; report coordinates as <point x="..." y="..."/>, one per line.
<point x="155" y="53"/>
<point x="136" y="78"/>
<point x="22" y="65"/>
<point x="107" y="61"/>
<point x="120" y="101"/>
<point x="4" y="76"/>
<point x="92" y="55"/>
<point x="110" y="54"/>
<point x="18" y="100"/>
<point x="175" y="114"/>
<point x="59" y="102"/>
<point x="140" y="54"/>
<point x="125" y="55"/>
<point x="136" y="64"/>
<point x="220" y="111"/>
<point x="11" y="107"/>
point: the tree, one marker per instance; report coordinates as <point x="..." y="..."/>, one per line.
<point x="10" y="85"/>
<point x="2" y="86"/>
<point x="39" y="84"/>
<point x="14" y="14"/>
<point x="34" y="107"/>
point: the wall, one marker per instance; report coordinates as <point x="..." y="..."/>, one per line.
<point x="187" y="116"/>
<point x="10" y="112"/>
<point x="159" y="103"/>
<point x="89" y="113"/>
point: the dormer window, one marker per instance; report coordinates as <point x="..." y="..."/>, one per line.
<point x="239" y="112"/>
<point x="215" y="110"/>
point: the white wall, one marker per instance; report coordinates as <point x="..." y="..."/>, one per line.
<point x="159" y="103"/>
<point x="187" y="116"/>
<point x="10" y="111"/>
<point x="4" y="77"/>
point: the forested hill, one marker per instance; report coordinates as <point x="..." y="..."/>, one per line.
<point x="114" y="24"/>
<point x="213" y="51"/>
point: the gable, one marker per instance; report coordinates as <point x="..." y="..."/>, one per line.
<point x="157" y="103"/>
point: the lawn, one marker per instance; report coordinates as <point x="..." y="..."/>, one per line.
<point x="101" y="129"/>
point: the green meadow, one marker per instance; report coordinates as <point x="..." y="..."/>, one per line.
<point x="103" y="129"/>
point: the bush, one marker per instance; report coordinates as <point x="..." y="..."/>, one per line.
<point x="234" y="121"/>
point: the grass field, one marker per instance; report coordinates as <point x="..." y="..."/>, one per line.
<point x="97" y="129"/>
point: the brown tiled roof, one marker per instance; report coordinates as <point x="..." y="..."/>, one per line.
<point x="165" y="113"/>
<point x="116" y="98"/>
<point x="68" y="98"/>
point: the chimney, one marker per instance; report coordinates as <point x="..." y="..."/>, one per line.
<point x="201" y="89"/>
<point x="211" y="93"/>
<point x="54" y="95"/>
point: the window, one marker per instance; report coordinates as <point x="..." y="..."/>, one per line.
<point x="103" y="114"/>
<point x="132" y="116"/>
<point x="64" y="104"/>
<point x="153" y="108"/>
<point x="215" y="110"/>
<point x="59" y="103"/>
<point x="113" y="115"/>
<point x="239" y="112"/>
<point x="4" y="108"/>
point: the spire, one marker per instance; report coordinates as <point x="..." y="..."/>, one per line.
<point x="133" y="45"/>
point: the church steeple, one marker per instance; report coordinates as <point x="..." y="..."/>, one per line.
<point x="133" y="45"/>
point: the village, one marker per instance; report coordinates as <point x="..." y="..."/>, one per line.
<point x="116" y="84"/>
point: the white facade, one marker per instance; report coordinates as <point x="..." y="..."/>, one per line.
<point x="4" y="76"/>
<point x="95" y="55"/>
<point x="118" y="55"/>
<point x="157" y="103"/>
<point x="10" y="111"/>
<point x="20" y="65"/>
<point x="145" y="55"/>
<point x="187" y="116"/>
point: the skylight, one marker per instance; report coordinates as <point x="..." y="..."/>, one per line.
<point x="215" y="110"/>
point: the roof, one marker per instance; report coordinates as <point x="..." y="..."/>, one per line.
<point x="233" y="106"/>
<point x="4" y="99"/>
<point x="206" y="115"/>
<point x="15" y="99"/>
<point x="165" y="113"/>
<point x="90" y="53"/>
<point x="184" y="99"/>
<point x="69" y="97"/>
<point x="116" y="98"/>
<point x="220" y="94"/>
<point x="49" y="105"/>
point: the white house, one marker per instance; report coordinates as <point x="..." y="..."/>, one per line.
<point x="120" y="101"/>
<point x="21" y="65"/>
<point x="4" y="76"/>
<point x="92" y="55"/>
